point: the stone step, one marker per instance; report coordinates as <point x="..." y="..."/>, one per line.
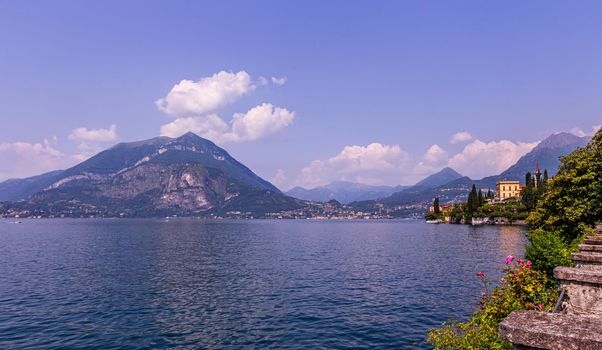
<point x="583" y="290"/>
<point x="590" y="248"/>
<point x="555" y="331"/>
<point x="575" y="274"/>
<point x="593" y="241"/>
<point x="598" y="237"/>
<point x="589" y="261"/>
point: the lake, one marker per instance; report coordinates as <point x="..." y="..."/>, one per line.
<point x="201" y="284"/>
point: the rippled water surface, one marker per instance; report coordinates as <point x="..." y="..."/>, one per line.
<point x="133" y="284"/>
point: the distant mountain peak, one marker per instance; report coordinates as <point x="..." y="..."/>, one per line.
<point x="439" y="178"/>
<point x="559" y="140"/>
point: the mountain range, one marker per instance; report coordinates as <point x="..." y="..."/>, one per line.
<point x="190" y="175"/>
<point x="187" y="175"/>
<point x="344" y="192"/>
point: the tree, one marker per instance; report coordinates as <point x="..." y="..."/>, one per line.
<point x="481" y="199"/>
<point x="544" y="183"/>
<point x="571" y="205"/>
<point x="473" y="202"/>
<point x="436" y="208"/>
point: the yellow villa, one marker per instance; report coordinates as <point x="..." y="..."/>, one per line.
<point x="507" y="189"/>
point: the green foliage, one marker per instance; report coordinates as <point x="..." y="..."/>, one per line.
<point x="522" y="288"/>
<point x="508" y="209"/>
<point x="437" y="209"/>
<point x="547" y="250"/>
<point x="569" y="208"/>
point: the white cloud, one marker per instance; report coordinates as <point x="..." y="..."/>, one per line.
<point x="578" y="132"/>
<point x="22" y="159"/>
<point x="210" y="126"/>
<point x="92" y="140"/>
<point x="193" y="98"/>
<point x="279" y="81"/>
<point x="263" y="81"/>
<point x="479" y="159"/>
<point x="435" y="154"/>
<point x="432" y="161"/>
<point x="258" y="122"/>
<point x="374" y="164"/>
<point x="460" y="137"/>
<point x="94" y="135"/>
<point x="279" y="180"/>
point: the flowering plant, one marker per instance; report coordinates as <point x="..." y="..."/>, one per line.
<point x="521" y="288"/>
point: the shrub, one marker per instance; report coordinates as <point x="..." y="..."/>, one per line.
<point x="521" y="288"/>
<point x="547" y="250"/>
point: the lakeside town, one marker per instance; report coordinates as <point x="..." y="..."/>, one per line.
<point x="509" y="204"/>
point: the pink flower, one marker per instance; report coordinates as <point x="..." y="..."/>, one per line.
<point x="539" y="307"/>
<point x="529" y="264"/>
<point x="520" y="262"/>
<point x="509" y="259"/>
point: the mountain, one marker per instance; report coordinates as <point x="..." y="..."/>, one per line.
<point x="414" y="200"/>
<point x="188" y="175"/>
<point x="16" y="189"/>
<point x="547" y="154"/>
<point x="440" y="178"/>
<point x="343" y="191"/>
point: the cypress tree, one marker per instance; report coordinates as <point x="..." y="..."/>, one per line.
<point x="473" y="200"/>
<point x="481" y="200"/>
<point x="436" y="208"/>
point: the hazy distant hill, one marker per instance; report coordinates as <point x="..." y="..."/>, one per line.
<point x="186" y="175"/>
<point x="16" y="189"/>
<point x="440" y="178"/>
<point x="344" y="192"/>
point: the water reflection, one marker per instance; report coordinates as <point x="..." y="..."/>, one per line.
<point x="235" y="284"/>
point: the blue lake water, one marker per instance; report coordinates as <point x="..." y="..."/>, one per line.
<point x="136" y="284"/>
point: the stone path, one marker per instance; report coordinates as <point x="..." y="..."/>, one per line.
<point x="579" y="325"/>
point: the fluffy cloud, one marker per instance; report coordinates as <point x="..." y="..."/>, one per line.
<point x="258" y="122"/>
<point x="374" y="164"/>
<point x="94" y="135"/>
<point x="193" y="98"/>
<point x="210" y="126"/>
<point x="92" y="140"/>
<point x="432" y="161"/>
<point x="435" y="154"/>
<point x="579" y="132"/>
<point x="191" y="103"/>
<point x="479" y="159"/>
<point x="22" y="159"/>
<point x="460" y="137"/>
<point x="279" y="81"/>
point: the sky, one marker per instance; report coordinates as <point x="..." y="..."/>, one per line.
<point x="302" y="92"/>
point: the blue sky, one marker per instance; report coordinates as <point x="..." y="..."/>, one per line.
<point x="372" y="91"/>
